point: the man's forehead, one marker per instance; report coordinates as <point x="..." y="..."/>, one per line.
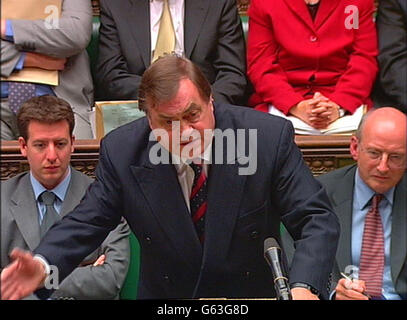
<point x="48" y="131"/>
<point x="172" y="110"/>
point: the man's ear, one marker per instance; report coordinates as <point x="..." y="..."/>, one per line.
<point x="354" y="148"/>
<point x="23" y="146"/>
<point x="149" y="121"/>
<point x="72" y="143"/>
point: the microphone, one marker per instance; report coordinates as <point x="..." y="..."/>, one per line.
<point x="272" y="254"/>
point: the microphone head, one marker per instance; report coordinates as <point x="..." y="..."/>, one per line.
<point x="270" y="243"/>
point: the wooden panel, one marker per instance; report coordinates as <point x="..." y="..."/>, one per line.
<point x="84" y="158"/>
<point x="324" y="153"/>
<point x="321" y="153"/>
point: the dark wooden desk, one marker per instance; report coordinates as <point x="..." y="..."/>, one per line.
<point x="321" y="153"/>
<point x="325" y="153"/>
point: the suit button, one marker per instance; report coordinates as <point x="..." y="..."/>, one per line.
<point x="247" y="274"/>
<point x="313" y="38"/>
<point x="148" y="239"/>
<point x="254" y="234"/>
<point x="166" y="278"/>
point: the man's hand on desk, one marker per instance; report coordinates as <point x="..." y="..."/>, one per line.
<point x="351" y="290"/>
<point x="303" y="294"/>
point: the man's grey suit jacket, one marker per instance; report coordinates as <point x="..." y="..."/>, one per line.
<point x="339" y="185"/>
<point x="20" y="228"/>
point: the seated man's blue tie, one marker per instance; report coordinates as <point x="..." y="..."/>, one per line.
<point x="51" y="215"/>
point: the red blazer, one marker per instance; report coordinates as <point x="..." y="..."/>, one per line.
<point x="290" y="57"/>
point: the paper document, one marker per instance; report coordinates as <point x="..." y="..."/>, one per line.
<point x="110" y="115"/>
<point x="345" y="125"/>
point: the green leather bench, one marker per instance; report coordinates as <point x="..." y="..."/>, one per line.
<point x="130" y="285"/>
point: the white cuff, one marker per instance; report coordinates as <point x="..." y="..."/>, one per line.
<point x="44" y="263"/>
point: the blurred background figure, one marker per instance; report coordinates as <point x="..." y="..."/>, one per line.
<point x="391" y="89"/>
<point x="311" y="60"/>
<point x="62" y="48"/>
<point x="133" y="34"/>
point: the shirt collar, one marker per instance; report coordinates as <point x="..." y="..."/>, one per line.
<point x="60" y="190"/>
<point x="364" y="193"/>
<point x="205" y="158"/>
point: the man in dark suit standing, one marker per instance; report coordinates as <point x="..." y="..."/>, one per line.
<point x="202" y="211"/>
<point x="209" y="33"/>
<point x="391" y="89"/>
<point x="32" y="201"/>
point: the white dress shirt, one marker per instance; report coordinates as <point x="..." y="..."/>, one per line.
<point x="186" y="174"/>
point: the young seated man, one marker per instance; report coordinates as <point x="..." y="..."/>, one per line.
<point x="33" y="201"/>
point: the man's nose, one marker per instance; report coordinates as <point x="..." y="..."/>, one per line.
<point x="185" y="127"/>
<point x="51" y="153"/>
<point x="383" y="164"/>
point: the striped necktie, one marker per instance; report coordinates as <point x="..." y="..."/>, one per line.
<point x="372" y="254"/>
<point x="198" y="199"/>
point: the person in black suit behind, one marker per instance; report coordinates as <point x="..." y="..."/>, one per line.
<point x="209" y="33"/>
<point x="219" y="252"/>
<point x="391" y="86"/>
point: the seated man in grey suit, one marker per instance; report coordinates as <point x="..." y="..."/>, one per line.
<point x="57" y="46"/>
<point x="370" y="201"/>
<point x="32" y="201"/>
<point x="209" y="33"/>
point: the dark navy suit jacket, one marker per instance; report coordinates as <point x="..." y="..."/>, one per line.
<point x="243" y="210"/>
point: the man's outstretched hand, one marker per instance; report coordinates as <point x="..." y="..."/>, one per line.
<point x="21" y="277"/>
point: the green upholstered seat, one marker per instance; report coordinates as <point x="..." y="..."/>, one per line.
<point x="130" y="286"/>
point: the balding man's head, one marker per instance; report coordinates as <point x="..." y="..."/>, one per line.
<point x="379" y="147"/>
<point x="386" y="116"/>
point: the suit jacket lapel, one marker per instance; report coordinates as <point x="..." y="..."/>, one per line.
<point x="138" y="16"/>
<point x="160" y="187"/>
<point x="195" y="13"/>
<point x="74" y="193"/>
<point x="223" y="208"/>
<point x="25" y="212"/>
<point x="398" y="249"/>
<point x="299" y="8"/>
<point x="342" y="205"/>
<point x="324" y="11"/>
